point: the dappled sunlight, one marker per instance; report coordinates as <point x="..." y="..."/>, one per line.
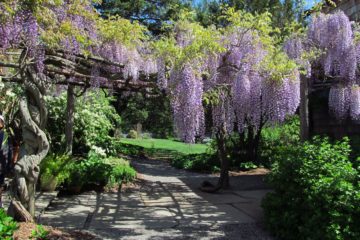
<point x="163" y="206"/>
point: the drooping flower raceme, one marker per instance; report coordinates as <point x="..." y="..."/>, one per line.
<point x="187" y="104"/>
<point x="333" y="36"/>
<point x="74" y="28"/>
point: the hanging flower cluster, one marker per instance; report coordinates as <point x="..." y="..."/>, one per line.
<point x="333" y="35"/>
<point x="74" y="28"/>
<point x="249" y="92"/>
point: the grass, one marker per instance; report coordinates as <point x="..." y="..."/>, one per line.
<point x="166" y="144"/>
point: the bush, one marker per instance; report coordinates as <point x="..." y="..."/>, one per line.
<point x="97" y="169"/>
<point x="276" y="139"/>
<point x="93" y="170"/>
<point x="132" y="134"/>
<point x="316" y="193"/>
<point x="197" y="162"/>
<point x="121" y="174"/>
<point x="245" y="166"/>
<point x="7" y="226"/>
<point x="54" y="169"/>
<point x="116" y="147"/>
<point x="94" y="122"/>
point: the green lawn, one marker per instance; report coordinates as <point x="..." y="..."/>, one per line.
<point x="166" y="144"/>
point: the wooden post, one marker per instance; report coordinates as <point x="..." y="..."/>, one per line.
<point x="304" y="108"/>
<point x="70" y="109"/>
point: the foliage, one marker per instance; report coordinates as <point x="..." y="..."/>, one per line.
<point x="7" y="226"/>
<point x="9" y="97"/>
<point x="99" y="170"/>
<point x="276" y="139"/>
<point x="133" y="134"/>
<point x="153" y="14"/>
<point x="197" y="162"/>
<point x="247" y="166"/>
<point x="126" y="149"/>
<point x="55" y="167"/>
<point x="95" y="119"/>
<point x="40" y="233"/>
<point x="121" y="173"/>
<point x="316" y="193"/>
<point x="283" y="12"/>
<point x="93" y="169"/>
<point x="154" y="113"/>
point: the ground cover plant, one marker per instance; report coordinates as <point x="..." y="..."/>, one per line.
<point x="98" y="171"/>
<point x="316" y="192"/>
<point x="7" y="226"/>
<point x="95" y="171"/>
<point x="54" y="171"/>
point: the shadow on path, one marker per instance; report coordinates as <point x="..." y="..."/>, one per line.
<point x="166" y="205"/>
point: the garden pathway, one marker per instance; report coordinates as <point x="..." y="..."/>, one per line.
<point x="166" y="204"/>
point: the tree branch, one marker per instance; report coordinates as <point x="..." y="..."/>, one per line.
<point x="9" y="65"/>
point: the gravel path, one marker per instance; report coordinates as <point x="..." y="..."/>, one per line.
<point x="166" y="205"/>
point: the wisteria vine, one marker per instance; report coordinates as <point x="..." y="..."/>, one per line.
<point x="74" y="28"/>
<point x="333" y="36"/>
<point x="247" y="93"/>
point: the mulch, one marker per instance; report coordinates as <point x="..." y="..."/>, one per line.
<point x="252" y="172"/>
<point x="25" y="230"/>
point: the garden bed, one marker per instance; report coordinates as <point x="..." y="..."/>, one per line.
<point x="25" y="232"/>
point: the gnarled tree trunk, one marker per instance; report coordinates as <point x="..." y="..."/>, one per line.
<point x="35" y="143"/>
<point x="224" y="181"/>
<point x="225" y="165"/>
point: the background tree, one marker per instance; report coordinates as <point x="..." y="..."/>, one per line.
<point x="152" y="112"/>
<point x="284" y="13"/>
<point x="154" y="14"/>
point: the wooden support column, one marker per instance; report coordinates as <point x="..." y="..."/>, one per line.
<point x="70" y="110"/>
<point x="304" y="108"/>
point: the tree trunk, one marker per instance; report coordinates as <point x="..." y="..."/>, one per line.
<point x="19" y="213"/>
<point x="35" y="144"/>
<point x="223" y="181"/>
<point x="252" y="142"/>
<point x="250" y="146"/>
<point x="69" y="128"/>
<point x="304" y="109"/>
<point x="224" y="174"/>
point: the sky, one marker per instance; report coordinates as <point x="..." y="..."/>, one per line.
<point x="310" y="3"/>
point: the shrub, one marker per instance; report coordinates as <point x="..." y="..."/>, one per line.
<point x="54" y="168"/>
<point x="316" y="193"/>
<point x="276" y="139"/>
<point x="7" y="226"/>
<point x="99" y="170"/>
<point x="133" y="134"/>
<point x="247" y="166"/>
<point x="94" y="170"/>
<point x="197" y="162"/>
<point x="94" y="121"/>
<point x="115" y="147"/>
<point x="121" y="174"/>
